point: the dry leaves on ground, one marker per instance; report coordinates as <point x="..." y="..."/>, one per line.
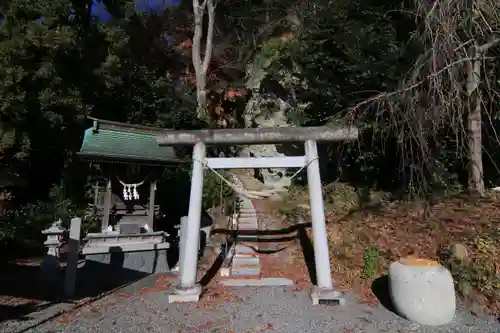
<point x="397" y="233"/>
<point x="393" y="230"/>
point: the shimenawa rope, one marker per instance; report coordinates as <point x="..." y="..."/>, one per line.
<point x="248" y="193"/>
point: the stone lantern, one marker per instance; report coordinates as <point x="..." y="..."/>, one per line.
<point x="50" y="266"/>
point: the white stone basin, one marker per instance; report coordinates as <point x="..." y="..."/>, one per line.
<point x="422" y="291"/>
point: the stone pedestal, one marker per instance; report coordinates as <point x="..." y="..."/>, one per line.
<point x="327" y="296"/>
<point x="181" y="294"/>
<point x="141" y="253"/>
<point x="148" y="261"/>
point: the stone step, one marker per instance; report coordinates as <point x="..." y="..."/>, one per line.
<point x="262" y="282"/>
<point x="251" y="222"/>
<point x="245" y="266"/>
<point x="248" y="222"/>
<point x="247" y="230"/>
<point x="247" y="227"/>
<point x="282" y="237"/>
<point x="246" y="252"/>
<point x="263" y="246"/>
<point x="253" y="240"/>
<point x="248" y="219"/>
<point x="238" y="277"/>
<point x="250" y="239"/>
<point x="246" y="260"/>
<point x="244" y="271"/>
<point x="247" y="214"/>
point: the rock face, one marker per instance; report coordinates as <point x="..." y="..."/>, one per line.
<point x="271" y="102"/>
<point x="256" y="116"/>
<point x="422" y="291"/>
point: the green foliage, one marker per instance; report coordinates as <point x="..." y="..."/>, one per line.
<point x="480" y="274"/>
<point x="343" y="50"/>
<point x="215" y="191"/>
<point x="371" y="258"/>
<point x="178" y="181"/>
<point x="22" y="227"/>
<point x="341" y="197"/>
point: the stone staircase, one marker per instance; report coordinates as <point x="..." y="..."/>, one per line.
<point x="245" y="261"/>
<point x="244" y="265"/>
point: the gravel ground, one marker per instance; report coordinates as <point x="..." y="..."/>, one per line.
<point x="260" y="310"/>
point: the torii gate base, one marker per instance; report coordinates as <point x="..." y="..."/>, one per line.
<point x="188" y="290"/>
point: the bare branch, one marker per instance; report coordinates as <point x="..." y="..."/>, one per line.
<point x="442" y="89"/>
<point x="487" y="46"/>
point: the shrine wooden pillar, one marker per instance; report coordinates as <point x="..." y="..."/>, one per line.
<point x="151" y="207"/>
<point x="107" y="206"/>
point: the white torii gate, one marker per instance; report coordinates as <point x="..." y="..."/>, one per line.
<point x="188" y="290"/>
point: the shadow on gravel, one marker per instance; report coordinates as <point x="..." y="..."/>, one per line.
<point x="23" y="292"/>
<point x="307" y="251"/>
<point x="21" y="311"/>
<point x="212" y="271"/>
<point x="380" y="288"/>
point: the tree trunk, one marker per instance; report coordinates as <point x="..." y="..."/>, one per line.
<point x="475" y="146"/>
<point x="474" y="130"/>
<point x="201" y="68"/>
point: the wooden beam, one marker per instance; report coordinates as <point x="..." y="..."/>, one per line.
<point x="256" y="135"/>
<point x="256" y="162"/>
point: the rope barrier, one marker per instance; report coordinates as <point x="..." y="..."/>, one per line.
<point x="249" y="193"/>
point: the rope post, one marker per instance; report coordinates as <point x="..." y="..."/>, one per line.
<point x="188" y="290"/>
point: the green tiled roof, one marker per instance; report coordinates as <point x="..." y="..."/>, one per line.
<point x="124" y="142"/>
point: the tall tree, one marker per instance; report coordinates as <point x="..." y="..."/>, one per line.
<point x="443" y="93"/>
<point x="40" y="63"/>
